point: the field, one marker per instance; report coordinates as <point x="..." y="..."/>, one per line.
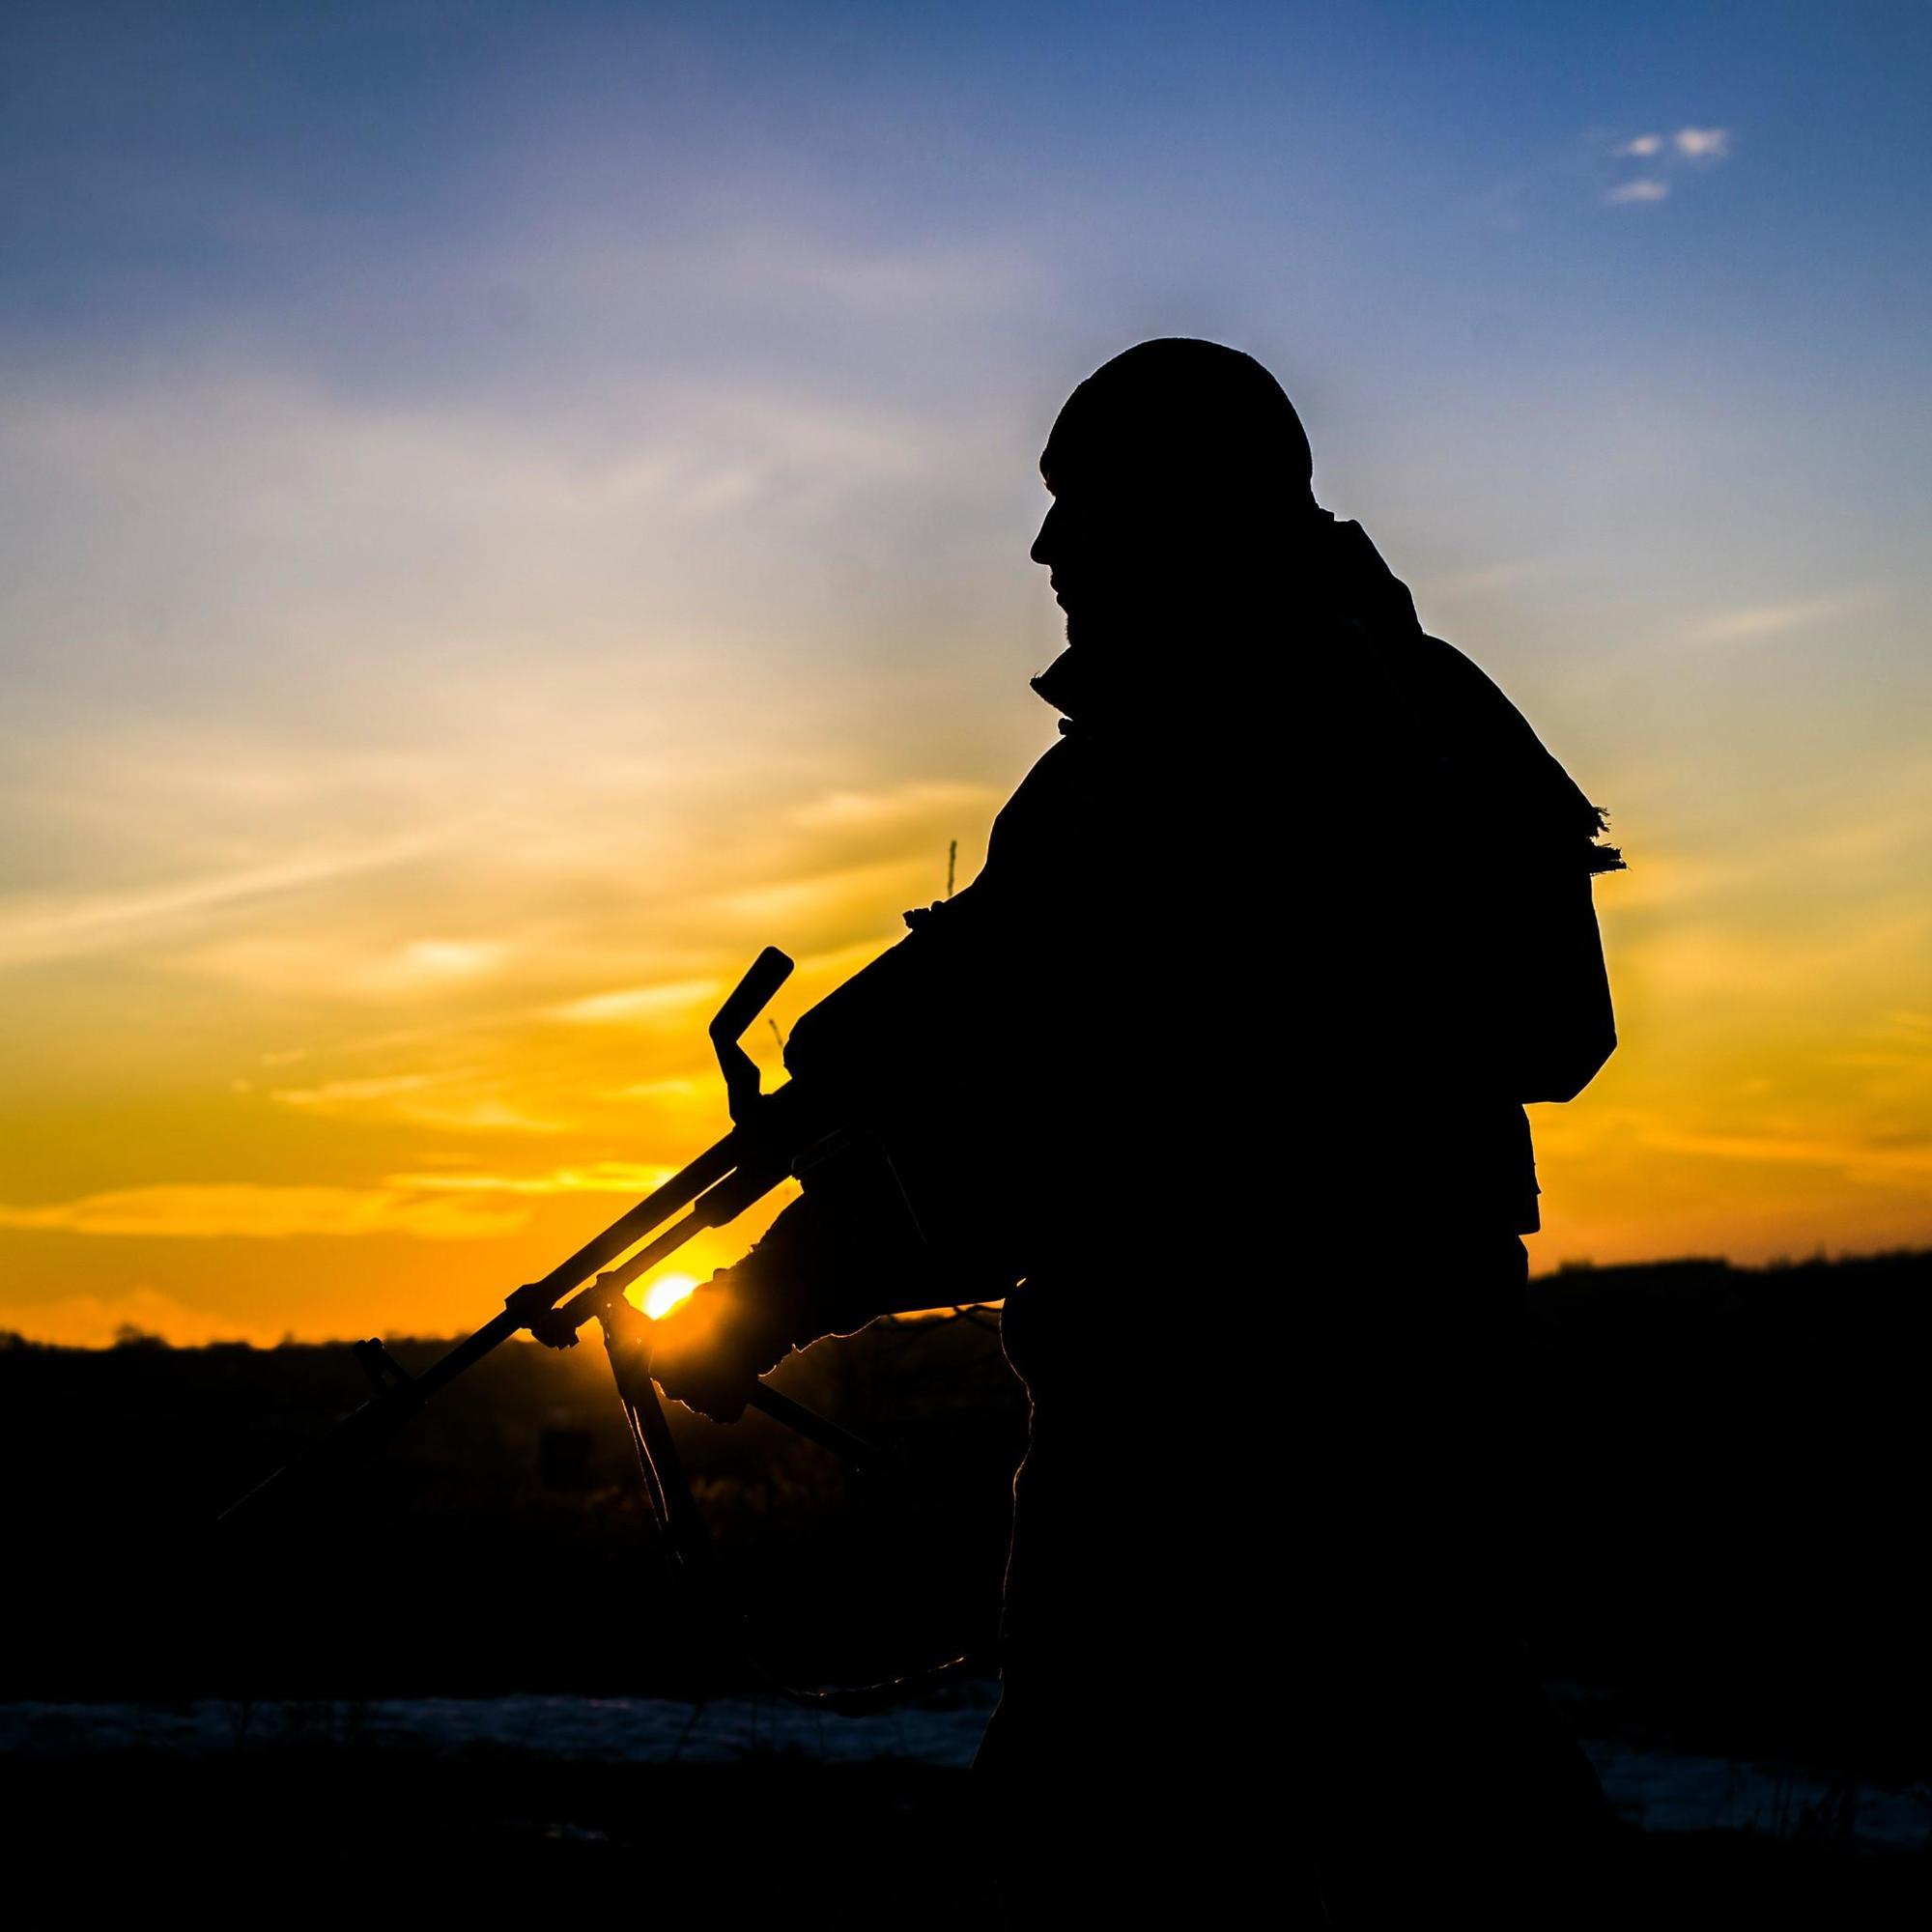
<point x="467" y="1674"/>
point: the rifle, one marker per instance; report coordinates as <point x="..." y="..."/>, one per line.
<point x="774" y="1136"/>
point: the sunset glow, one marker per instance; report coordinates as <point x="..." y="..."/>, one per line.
<point x="489" y="552"/>
<point x="665" y="1293"/>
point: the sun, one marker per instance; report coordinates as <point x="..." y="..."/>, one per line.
<point x="665" y="1293"/>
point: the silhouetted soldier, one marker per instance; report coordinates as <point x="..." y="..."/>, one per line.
<point x="1218" y="1071"/>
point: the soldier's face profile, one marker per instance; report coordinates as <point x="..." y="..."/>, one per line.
<point x="1119" y="549"/>
<point x="1072" y="545"/>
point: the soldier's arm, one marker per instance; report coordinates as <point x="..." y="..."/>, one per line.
<point x="882" y="1052"/>
<point x="844" y="1253"/>
<point x="1564" y="1029"/>
<point x="914" y="1047"/>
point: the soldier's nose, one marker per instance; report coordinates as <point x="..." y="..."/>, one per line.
<point x="1042" y="551"/>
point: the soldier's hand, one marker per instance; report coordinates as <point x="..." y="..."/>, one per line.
<point x="710" y="1350"/>
<point x="554" y="1329"/>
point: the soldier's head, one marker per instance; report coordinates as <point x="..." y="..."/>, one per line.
<point x="1181" y="481"/>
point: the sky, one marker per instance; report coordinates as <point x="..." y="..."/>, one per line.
<point x="505" y="511"/>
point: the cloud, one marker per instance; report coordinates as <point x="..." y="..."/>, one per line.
<point x="676" y="1091"/>
<point x="1907" y="1162"/>
<point x="63" y="925"/>
<point x="1766" y="620"/>
<point x="203" y="1211"/>
<point x="484" y="1114"/>
<point x="899" y="806"/>
<point x="632" y="1004"/>
<point x="1694" y="145"/>
<point x="601" y="1176"/>
<point x="1474" y="583"/>
<point x="1645" y="189"/>
<point x="436" y="962"/>
<point x="332" y="1093"/>
<point x="326" y="953"/>
<point x="849" y="894"/>
<point x="466" y="1100"/>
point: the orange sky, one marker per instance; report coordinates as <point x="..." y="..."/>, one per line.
<point x="373" y="1088"/>
<point x="494" y="540"/>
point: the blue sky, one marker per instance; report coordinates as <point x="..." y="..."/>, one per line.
<point x="465" y="459"/>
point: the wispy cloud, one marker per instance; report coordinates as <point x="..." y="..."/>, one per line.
<point x="1907" y="1162"/>
<point x="348" y="1093"/>
<point x="843" y="896"/>
<point x="1694" y="143"/>
<point x="205" y="1211"/>
<point x="602" y="1177"/>
<point x="63" y="925"/>
<point x="437" y="961"/>
<point x="634" y="1006"/>
<point x="1454" y="585"/>
<point x="1766" y="620"/>
<point x="898" y="808"/>
<point x="1696" y="146"/>
<point x="469" y="1101"/>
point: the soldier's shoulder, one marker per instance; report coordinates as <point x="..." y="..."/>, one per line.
<point x="1460" y="692"/>
<point x="1500" y="749"/>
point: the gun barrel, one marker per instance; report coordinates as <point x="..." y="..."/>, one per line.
<point x="366" y="1429"/>
<point x="717" y="1206"/>
<point x="358" y="1434"/>
<point x="679" y="1191"/>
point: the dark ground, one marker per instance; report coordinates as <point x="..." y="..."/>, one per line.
<point x="1728" y="1475"/>
<point x="369" y="1837"/>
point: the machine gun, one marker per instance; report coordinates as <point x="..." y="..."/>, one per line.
<point x="774" y="1136"/>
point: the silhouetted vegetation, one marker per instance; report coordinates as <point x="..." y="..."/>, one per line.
<point x="1723" y="1469"/>
<point x="484" y="1547"/>
<point x="1726" y="1478"/>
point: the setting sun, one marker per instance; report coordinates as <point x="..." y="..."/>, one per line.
<point x="665" y="1293"/>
